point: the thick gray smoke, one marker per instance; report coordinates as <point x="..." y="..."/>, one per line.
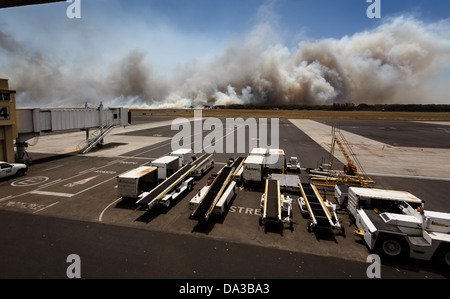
<point x="401" y="61"/>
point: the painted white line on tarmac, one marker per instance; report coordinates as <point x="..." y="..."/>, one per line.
<point x="46" y="207"/>
<point x="421" y="177"/>
<point x="60" y="194"/>
<point x="100" y="218"/>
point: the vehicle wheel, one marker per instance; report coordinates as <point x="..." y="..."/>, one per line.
<point x="20" y="172"/>
<point x="343" y="231"/>
<point x="167" y="203"/>
<point x="446" y="258"/>
<point x="392" y="246"/>
<point x="443" y="257"/>
<point x="189" y="186"/>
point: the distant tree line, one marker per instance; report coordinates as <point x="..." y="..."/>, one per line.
<point x="346" y="107"/>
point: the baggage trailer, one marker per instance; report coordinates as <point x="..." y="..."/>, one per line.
<point x="288" y="182"/>
<point x="397" y="229"/>
<point x="212" y="194"/>
<point x="322" y="213"/>
<point x="275" y="207"/>
<point x="133" y="183"/>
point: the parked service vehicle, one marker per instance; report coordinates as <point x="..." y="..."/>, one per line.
<point x="253" y="169"/>
<point x="395" y="224"/>
<point x="167" y="165"/>
<point x="293" y="165"/>
<point x="184" y="155"/>
<point x="12" y="169"/>
<point x="204" y="166"/>
<point x="276" y="161"/>
<point x="133" y="183"/>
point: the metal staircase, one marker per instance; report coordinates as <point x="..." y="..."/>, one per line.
<point x="356" y="173"/>
<point x="96" y="138"/>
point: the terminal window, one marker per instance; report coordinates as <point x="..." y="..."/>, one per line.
<point x="5" y="97"/>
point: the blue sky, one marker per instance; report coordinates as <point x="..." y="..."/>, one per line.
<point x="220" y="20"/>
<point x="177" y="33"/>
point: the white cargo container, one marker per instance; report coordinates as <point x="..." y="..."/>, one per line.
<point x="276" y="160"/>
<point x="184" y="155"/>
<point x="259" y="151"/>
<point x="134" y="182"/>
<point x="253" y="168"/>
<point x="167" y="165"/>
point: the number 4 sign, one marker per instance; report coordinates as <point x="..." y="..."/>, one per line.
<point x="4" y="113"/>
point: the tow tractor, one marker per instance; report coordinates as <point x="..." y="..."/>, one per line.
<point x="293" y="165"/>
<point x="397" y="228"/>
<point x="276" y="208"/>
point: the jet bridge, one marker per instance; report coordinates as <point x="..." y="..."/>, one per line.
<point x="31" y="122"/>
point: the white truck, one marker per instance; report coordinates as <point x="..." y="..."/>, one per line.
<point x="184" y="156"/>
<point x="396" y="224"/>
<point x="12" y="169"/>
<point x="133" y="183"/>
<point x="253" y="169"/>
<point x="167" y="165"/>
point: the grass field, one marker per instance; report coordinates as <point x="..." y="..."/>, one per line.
<point x="300" y="114"/>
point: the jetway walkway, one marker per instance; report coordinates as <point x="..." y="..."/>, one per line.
<point x="31" y="122"/>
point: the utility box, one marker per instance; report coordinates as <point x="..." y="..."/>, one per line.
<point x="166" y="165"/>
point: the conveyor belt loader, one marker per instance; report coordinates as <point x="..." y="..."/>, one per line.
<point x="275" y="207"/>
<point x="322" y="213"/>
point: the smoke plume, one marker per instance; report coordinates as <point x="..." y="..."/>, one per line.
<point x="401" y="61"/>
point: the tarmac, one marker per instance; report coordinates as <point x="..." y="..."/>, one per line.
<point x="69" y="203"/>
